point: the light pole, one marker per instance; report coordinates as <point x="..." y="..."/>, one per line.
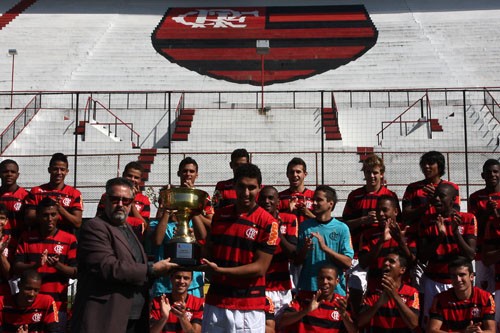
<point x="13" y="53"/>
<point x="262" y="49"/>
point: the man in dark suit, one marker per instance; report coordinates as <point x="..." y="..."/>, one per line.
<point x="114" y="275"/>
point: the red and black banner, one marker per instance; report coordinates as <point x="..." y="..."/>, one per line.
<point x="304" y="41"/>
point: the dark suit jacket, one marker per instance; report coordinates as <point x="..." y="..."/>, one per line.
<point x="108" y="276"/>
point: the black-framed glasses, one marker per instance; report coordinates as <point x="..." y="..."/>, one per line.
<point x="116" y="199"/>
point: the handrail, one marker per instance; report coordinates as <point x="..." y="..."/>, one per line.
<point x="380" y="134"/>
<point x="494" y="102"/>
<point x="117" y="122"/>
<point x="4" y="144"/>
<point x="178" y="110"/>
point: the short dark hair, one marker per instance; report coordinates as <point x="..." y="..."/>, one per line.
<point x="403" y="260"/>
<point x="448" y="187"/>
<point x="329" y="265"/>
<point x="30" y="274"/>
<point x="269" y="187"/>
<point x="45" y="203"/>
<point x="330" y="193"/>
<point x="186" y="161"/>
<point x="4" y="210"/>
<point x="58" y="157"/>
<point x="248" y="170"/>
<point x="239" y="153"/>
<point x="432" y="157"/>
<point x="8" y="161"/>
<point x="118" y="181"/>
<point x="136" y="165"/>
<point x="393" y="200"/>
<point x="489" y="163"/>
<point x="460" y="261"/>
<point x="296" y="161"/>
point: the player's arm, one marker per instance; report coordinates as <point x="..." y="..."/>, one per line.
<point x="74" y="216"/>
<point x="135" y="213"/>
<point x="288" y="244"/>
<point x="66" y="270"/>
<point x="491" y="252"/>
<point x="367" y="312"/>
<point x="434" y="326"/>
<point x="338" y="258"/>
<point x="257" y="268"/>
<point x="368" y="254"/>
<point x="159" y="233"/>
<point x="466" y="245"/>
<point x="409" y="316"/>
<point x="200" y="223"/>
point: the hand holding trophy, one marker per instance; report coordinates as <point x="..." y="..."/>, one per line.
<point x="183" y="248"/>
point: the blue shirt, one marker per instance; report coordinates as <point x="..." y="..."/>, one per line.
<point x="337" y="238"/>
<point x="163" y="285"/>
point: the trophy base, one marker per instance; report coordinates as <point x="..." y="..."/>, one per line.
<point x="183" y="254"/>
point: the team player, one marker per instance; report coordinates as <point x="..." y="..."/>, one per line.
<point x="322" y="240"/>
<point x="297" y="199"/>
<point x="360" y="216"/>
<point x="141" y="207"/>
<point x="484" y="205"/>
<point x="163" y="228"/>
<point x="6" y="254"/>
<point x="240" y="246"/>
<point x="491" y="248"/>
<point x="177" y="311"/>
<point x="390" y="236"/>
<point x="394" y="306"/>
<point x="417" y="199"/>
<point x="52" y="253"/>
<point x="443" y="236"/>
<point x="278" y="282"/>
<point x="69" y="200"/>
<point x="28" y="311"/>
<point x="225" y="193"/>
<point x="12" y="196"/>
<point x="325" y="311"/>
<point x="463" y="308"/>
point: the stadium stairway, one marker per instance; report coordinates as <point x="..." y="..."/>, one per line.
<point x="331" y="124"/>
<point x="183" y="125"/>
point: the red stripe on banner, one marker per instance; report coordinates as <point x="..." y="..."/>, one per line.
<point x="333" y="52"/>
<point x="233" y="33"/>
<point x="256" y="75"/>
<point x="314" y="17"/>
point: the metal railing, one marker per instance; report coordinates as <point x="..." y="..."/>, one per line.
<point x="425" y="117"/>
<point x="20" y="122"/>
<point x="91" y="107"/>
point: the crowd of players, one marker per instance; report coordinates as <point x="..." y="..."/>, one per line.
<point x="275" y="261"/>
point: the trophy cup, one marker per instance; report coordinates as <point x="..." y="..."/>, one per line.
<point x="183" y="249"/>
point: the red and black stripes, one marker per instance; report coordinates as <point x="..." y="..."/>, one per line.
<point x="304" y="41"/>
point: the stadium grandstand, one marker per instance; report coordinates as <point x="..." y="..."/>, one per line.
<point x="111" y="81"/>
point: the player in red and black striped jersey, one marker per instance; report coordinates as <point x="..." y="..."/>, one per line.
<point x="360" y="216"/>
<point x="394" y="306"/>
<point x="51" y="252"/>
<point x="225" y="193"/>
<point x="388" y="237"/>
<point x="417" y="199"/>
<point x="69" y="200"/>
<point x="12" y="196"/>
<point x="484" y="205"/>
<point x="278" y="282"/>
<point x="6" y="255"/>
<point x="240" y="245"/>
<point x="463" y="308"/>
<point x="326" y="311"/>
<point x="28" y="311"/>
<point x="297" y="199"/>
<point x="443" y="236"/>
<point x="177" y="311"/>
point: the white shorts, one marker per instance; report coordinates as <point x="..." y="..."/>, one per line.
<point x="485" y="276"/>
<point x="356" y="276"/>
<point x="219" y="320"/>
<point x="431" y="289"/>
<point x="280" y="298"/>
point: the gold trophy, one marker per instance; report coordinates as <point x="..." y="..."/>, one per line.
<point x="183" y="249"/>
